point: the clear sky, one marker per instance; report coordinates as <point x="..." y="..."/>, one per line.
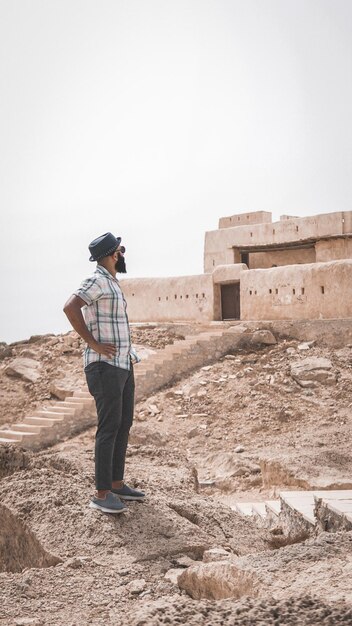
<point x="153" y="118"/>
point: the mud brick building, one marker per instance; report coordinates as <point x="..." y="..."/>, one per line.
<point x="256" y="269"/>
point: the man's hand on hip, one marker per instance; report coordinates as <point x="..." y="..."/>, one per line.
<point x="107" y="349"/>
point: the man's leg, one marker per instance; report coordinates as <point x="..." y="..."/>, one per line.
<point x="106" y="384"/>
<point x="121" y="441"/>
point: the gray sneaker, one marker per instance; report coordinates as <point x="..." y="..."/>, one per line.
<point x="127" y="493"/>
<point x="110" y="504"/>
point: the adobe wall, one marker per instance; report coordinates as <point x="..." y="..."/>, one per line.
<point x="313" y="291"/>
<point x="281" y="257"/>
<point x="327" y="250"/>
<point x="171" y="298"/>
<point x="219" y="244"/>
<point x="243" y="219"/>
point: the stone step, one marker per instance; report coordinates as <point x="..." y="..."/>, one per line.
<point x="82" y="393"/>
<point x="80" y="401"/>
<point x="267" y="511"/>
<point x="43" y="421"/>
<point x="302" y="503"/>
<point x="334" y="512"/>
<point x="7" y="440"/>
<point x="12" y="434"/>
<point x="340" y="506"/>
<point x="259" y="509"/>
<point x="54" y="413"/>
<point x="273" y="507"/>
<point x="18" y="435"/>
<point x="29" y="428"/>
<point x="243" y="508"/>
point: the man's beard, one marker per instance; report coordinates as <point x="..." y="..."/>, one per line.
<point x="120" y="265"/>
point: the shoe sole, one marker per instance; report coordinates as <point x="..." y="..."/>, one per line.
<point x="92" y="505"/>
<point x="130" y="498"/>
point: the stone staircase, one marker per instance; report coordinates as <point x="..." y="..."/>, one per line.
<point x="302" y="512"/>
<point x="65" y="418"/>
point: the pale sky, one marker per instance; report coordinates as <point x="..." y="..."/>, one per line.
<point x="153" y="118"/>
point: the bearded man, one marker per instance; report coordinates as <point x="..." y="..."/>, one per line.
<point x="97" y="312"/>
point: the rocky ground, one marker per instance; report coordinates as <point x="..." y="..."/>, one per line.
<point x="242" y="428"/>
<point x="39" y="370"/>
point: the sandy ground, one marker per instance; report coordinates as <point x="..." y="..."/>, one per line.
<point x="244" y="425"/>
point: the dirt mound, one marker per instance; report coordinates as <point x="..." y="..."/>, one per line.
<point x="19" y="548"/>
<point x="305" y="611"/>
<point x="12" y="459"/>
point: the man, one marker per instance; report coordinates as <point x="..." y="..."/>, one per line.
<point x="108" y="366"/>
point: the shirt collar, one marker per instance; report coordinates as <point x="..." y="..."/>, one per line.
<point x="101" y="270"/>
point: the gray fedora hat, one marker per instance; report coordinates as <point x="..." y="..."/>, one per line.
<point x="103" y="246"/>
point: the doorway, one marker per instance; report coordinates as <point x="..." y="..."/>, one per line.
<point x="230" y="301"/>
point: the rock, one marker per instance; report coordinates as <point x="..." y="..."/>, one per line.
<point x="217" y="580"/>
<point x="306" y="345"/>
<point x="193" y="432"/>
<point x="24" y="368"/>
<point x="173" y="574"/>
<point x="230" y="357"/>
<point x="30" y="354"/>
<point x="263" y="337"/>
<point x="5" y="351"/>
<point x="142" y="434"/>
<point x="314" y="369"/>
<point x="290" y="351"/>
<point x="153" y="409"/>
<point x="136" y="586"/>
<point x="184" y="561"/>
<point x="206" y="368"/>
<point x="76" y="562"/>
<point x="207" y="483"/>
<point x="68" y="341"/>
<point x="215" y="554"/>
<point x="239" y="449"/>
<point x="61" y="389"/>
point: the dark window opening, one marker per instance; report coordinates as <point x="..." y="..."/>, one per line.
<point x="245" y="258"/>
<point x="322" y="289"/>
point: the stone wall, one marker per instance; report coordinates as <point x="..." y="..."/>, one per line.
<point x="330" y="249"/>
<point x="243" y="219"/>
<point x="169" y="299"/>
<point x="313" y="291"/>
<point x="290" y="256"/>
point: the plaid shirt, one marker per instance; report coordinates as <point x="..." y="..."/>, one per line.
<point x="106" y="318"/>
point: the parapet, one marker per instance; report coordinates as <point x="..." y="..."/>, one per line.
<point x="243" y="219"/>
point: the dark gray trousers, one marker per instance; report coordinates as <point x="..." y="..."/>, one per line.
<point x="113" y="391"/>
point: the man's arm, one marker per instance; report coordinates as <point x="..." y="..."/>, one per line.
<point x="73" y="311"/>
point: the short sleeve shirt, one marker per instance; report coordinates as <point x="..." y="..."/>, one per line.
<point x="106" y="318"/>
